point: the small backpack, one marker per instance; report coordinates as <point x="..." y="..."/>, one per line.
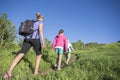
<point x="26" y="28"/>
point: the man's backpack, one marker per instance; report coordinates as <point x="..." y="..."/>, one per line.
<point x="26" y="28"/>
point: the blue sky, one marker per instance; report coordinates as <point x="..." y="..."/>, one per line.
<point x="85" y="20"/>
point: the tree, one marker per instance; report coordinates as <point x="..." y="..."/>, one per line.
<point x="47" y="44"/>
<point x="78" y="45"/>
<point x="118" y="41"/>
<point x="91" y="45"/>
<point x="7" y="30"/>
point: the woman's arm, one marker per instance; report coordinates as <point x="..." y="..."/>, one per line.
<point x="53" y="44"/>
<point x="42" y="35"/>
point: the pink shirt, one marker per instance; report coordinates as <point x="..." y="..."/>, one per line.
<point x="61" y="41"/>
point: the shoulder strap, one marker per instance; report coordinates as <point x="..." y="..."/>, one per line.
<point x="37" y="29"/>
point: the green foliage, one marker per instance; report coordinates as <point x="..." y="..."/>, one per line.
<point x="118" y="41"/>
<point x="99" y="63"/>
<point x="47" y="44"/>
<point x="7" y="30"/>
<point x="78" y="45"/>
<point x="93" y="61"/>
<point x="90" y="45"/>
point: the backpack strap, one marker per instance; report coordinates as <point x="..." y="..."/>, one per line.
<point x="36" y="33"/>
<point x="35" y="30"/>
<point x="32" y="34"/>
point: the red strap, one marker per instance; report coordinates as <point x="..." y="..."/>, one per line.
<point x="8" y="76"/>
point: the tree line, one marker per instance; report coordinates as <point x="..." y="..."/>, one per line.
<point x="8" y="36"/>
<point x="7" y="30"/>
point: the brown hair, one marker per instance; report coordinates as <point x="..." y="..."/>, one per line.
<point x="61" y="31"/>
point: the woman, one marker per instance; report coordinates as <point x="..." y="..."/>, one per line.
<point x="29" y="42"/>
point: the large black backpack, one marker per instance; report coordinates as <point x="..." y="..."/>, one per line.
<point x="26" y="28"/>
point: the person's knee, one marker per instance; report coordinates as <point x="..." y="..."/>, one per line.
<point x="21" y="54"/>
<point x="39" y="55"/>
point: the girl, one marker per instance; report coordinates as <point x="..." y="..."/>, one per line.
<point x="59" y="45"/>
<point x="68" y="54"/>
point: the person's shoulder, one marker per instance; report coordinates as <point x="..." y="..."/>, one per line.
<point x="40" y="21"/>
<point x="56" y="36"/>
<point x="64" y="36"/>
<point x="70" y="44"/>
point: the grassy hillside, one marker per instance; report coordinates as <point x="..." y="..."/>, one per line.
<point x="101" y="63"/>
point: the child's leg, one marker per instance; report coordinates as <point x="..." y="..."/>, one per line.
<point x="15" y="62"/>
<point x="59" y="60"/>
<point x="38" y="59"/>
<point x="66" y="54"/>
<point x="68" y="58"/>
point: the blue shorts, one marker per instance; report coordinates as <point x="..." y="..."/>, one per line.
<point x="59" y="50"/>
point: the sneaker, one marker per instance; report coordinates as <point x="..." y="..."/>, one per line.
<point x="6" y="76"/>
<point x="58" y="68"/>
<point x="55" y="65"/>
<point x="67" y="64"/>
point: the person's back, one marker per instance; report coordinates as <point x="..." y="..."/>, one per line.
<point x="35" y="34"/>
<point x="69" y="47"/>
<point x="60" y="42"/>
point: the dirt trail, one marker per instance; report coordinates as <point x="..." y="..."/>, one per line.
<point x="62" y="65"/>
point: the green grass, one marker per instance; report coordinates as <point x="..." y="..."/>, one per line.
<point x="101" y="63"/>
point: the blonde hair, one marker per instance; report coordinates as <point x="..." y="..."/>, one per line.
<point x="38" y="15"/>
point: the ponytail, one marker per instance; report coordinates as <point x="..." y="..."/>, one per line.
<point x="38" y="15"/>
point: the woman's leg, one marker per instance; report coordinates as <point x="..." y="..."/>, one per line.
<point x="38" y="59"/>
<point x="15" y="62"/>
<point x="37" y="47"/>
<point x="26" y="46"/>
